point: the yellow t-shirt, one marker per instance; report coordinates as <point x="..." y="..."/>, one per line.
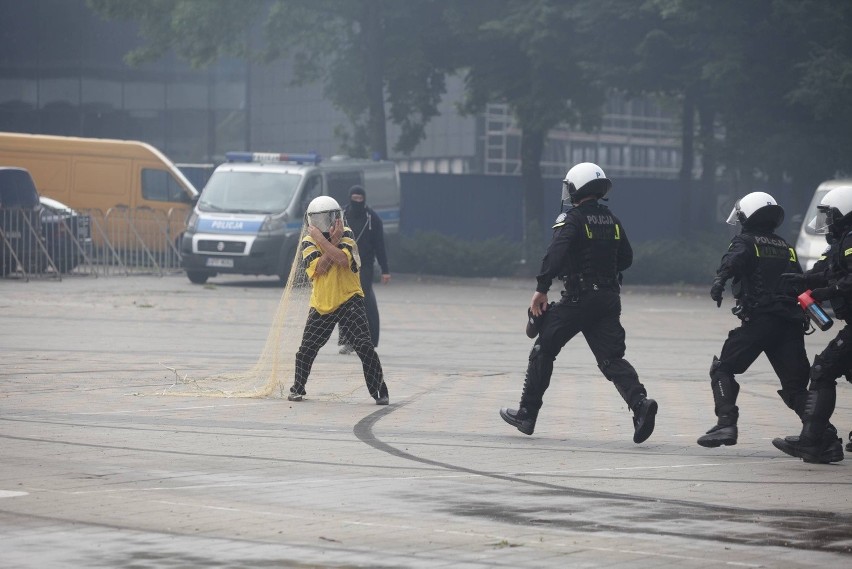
<point x="339" y="284"/>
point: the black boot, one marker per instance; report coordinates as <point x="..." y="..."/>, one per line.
<point x="832" y="447"/>
<point x="644" y="413"/>
<point x="849" y="444"/>
<point x="522" y="419"/>
<point x="724" y="432"/>
<point x="818" y="442"/>
<point x="819" y="451"/>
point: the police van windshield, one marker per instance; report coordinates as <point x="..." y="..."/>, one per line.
<point x="249" y="192"/>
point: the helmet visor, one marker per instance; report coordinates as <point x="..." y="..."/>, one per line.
<point x="324" y="220"/>
<point x="734" y="218"/>
<point x="566" y="194"/>
<point x="821" y="221"/>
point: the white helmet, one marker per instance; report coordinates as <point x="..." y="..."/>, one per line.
<point x="756" y="208"/>
<point x="833" y="211"/>
<point x="323" y="212"/>
<point x="583" y="180"/>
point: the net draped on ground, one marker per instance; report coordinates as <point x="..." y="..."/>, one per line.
<point x="273" y="373"/>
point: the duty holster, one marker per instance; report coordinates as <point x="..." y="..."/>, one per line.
<point x="575" y="285"/>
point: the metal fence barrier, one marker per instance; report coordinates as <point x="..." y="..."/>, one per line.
<point x="44" y="243"/>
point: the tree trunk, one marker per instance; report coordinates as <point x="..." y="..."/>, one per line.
<point x="532" y="146"/>
<point x="687" y="159"/>
<point x="371" y="28"/>
<point x="707" y="216"/>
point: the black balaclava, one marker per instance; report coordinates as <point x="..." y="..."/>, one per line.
<point x="357" y="209"/>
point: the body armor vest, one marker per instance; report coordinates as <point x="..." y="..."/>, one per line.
<point x="593" y="263"/>
<point x="761" y="287"/>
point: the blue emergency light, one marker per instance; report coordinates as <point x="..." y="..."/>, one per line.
<point x="309" y="158"/>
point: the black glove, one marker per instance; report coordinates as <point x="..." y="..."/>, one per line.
<point x="794" y="279"/>
<point x="793" y="283"/>
<point x="716" y="291"/>
<point x="820" y="294"/>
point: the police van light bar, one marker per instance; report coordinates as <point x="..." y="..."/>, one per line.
<point x="311" y="157"/>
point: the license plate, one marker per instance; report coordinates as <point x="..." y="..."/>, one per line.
<point x="225" y="263"/>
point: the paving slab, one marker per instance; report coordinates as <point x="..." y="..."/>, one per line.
<point x="99" y="469"/>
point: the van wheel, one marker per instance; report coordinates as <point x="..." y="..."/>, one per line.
<point x="197" y="277"/>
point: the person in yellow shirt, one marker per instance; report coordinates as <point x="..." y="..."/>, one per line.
<point x="331" y="261"/>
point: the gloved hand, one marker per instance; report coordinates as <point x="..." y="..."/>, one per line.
<point x="794" y="279"/>
<point x="793" y="283"/>
<point x="820" y="294"/>
<point x="716" y="291"/>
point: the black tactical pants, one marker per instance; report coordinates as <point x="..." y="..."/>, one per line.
<point x="370" y="303"/>
<point x="835" y="360"/>
<point x="595" y="314"/>
<point x="783" y="342"/>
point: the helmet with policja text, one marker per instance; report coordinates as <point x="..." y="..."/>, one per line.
<point x="584" y="180"/>
<point x="757" y="209"/>
<point x="323" y="212"/>
<point x="834" y="212"/>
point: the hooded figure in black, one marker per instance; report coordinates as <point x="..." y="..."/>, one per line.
<point x="772" y="322"/>
<point x="369" y="233"/>
<point x="588" y="252"/>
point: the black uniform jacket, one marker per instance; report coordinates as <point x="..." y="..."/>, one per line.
<point x="756" y="261"/>
<point x="587" y="240"/>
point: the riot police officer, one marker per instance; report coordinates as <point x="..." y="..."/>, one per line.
<point x="830" y="281"/>
<point x="772" y="322"/>
<point x="588" y="251"/>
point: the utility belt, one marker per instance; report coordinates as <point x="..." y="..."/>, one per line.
<point x="576" y="285"/>
<point x="748" y="305"/>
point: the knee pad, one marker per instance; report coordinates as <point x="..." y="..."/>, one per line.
<point x="819" y="379"/>
<point x="535" y="351"/>
<point x="719" y="367"/>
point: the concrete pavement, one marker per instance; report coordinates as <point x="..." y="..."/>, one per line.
<point x="97" y="470"/>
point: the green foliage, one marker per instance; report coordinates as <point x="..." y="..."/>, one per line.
<point x="674" y="261"/>
<point x="664" y="261"/>
<point x="437" y="254"/>
<point x="367" y="54"/>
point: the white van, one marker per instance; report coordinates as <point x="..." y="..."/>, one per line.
<point x="250" y="214"/>
<point x="810" y="246"/>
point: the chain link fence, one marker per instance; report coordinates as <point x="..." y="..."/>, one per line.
<point x="50" y="243"/>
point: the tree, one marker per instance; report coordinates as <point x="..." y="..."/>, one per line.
<point x="370" y="55"/>
<point x="525" y="54"/>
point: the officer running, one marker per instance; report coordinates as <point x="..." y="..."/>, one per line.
<point x="772" y="322"/>
<point x="588" y="251"/>
<point x="832" y="281"/>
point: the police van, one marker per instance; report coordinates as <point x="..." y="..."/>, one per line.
<point x="810" y="245"/>
<point x="251" y="211"/>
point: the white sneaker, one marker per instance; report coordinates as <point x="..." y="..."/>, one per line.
<point x="346" y="349"/>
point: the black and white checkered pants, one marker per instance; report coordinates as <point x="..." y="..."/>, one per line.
<point x="351" y="316"/>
